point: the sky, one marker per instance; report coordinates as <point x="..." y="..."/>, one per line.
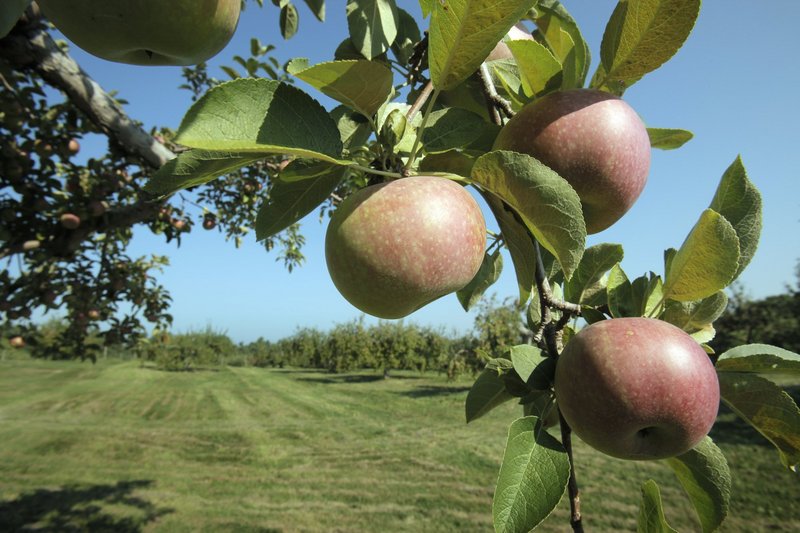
<point x="733" y="84"/>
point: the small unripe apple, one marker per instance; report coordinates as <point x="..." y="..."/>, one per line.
<point x="594" y="140"/>
<point x="394" y="247"/>
<point x="146" y="32"/>
<point x="637" y="388"/>
<point x="501" y="50"/>
<point x="70" y="220"/>
<point x="16" y="342"/>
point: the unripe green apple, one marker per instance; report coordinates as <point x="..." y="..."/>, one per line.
<point x="594" y="140"/>
<point x="395" y="247"/>
<point x="637" y="388"/>
<point x="146" y="32"/>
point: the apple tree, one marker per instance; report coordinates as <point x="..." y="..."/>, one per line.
<point x="543" y="135"/>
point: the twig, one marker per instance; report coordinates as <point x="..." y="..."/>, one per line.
<point x="420" y="101"/>
<point x="31" y="47"/>
<point x="572" y="485"/>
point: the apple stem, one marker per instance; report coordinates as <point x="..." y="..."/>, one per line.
<point x="418" y="138"/>
<point x="572" y="485"/>
<point x="369" y="170"/>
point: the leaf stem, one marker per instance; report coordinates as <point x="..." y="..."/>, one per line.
<point x="369" y="170"/>
<point x="425" y="116"/>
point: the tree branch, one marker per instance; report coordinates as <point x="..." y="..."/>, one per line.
<point x="572" y="485"/>
<point x="29" y="46"/>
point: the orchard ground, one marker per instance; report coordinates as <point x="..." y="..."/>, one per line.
<point x="122" y="446"/>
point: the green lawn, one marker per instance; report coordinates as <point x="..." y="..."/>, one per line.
<point x="118" y="447"/>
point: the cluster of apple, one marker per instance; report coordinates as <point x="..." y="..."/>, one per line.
<point x="634" y="388"/>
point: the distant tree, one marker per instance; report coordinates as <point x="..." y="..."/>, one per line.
<point x="772" y="320"/>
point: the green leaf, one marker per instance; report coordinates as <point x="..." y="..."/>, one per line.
<point x="505" y="73"/>
<point x="488" y="391"/>
<point x="547" y="205"/>
<point x="532" y="479"/>
<point x="404" y="145"/>
<point x="739" y="201"/>
<point x="408" y="35"/>
<point x="525" y="358"/>
<point x="562" y="34"/>
<point x="463" y="32"/>
<point x="261" y="116"/>
<point x="759" y="359"/>
<point x="487" y="275"/>
<point x="668" y="139"/>
<point x="539" y="70"/>
<point x="373" y="25"/>
<point x="451" y="128"/>
<point x="289" y="21"/>
<point x="704" y="474"/>
<point x="394" y="128"/>
<point x="766" y="407"/>
<point x="706" y="261"/>
<point x="596" y="261"/>
<point x="694" y="316"/>
<point x="519" y="242"/>
<point x="196" y="167"/>
<point x="619" y="290"/>
<point x="451" y="162"/>
<point x="651" y="511"/>
<point x="361" y="85"/>
<point x="354" y="129"/>
<point x="318" y="8"/>
<point x="289" y="201"/>
<point x="10" y="12"/>
<point x="641" y="36"/>
<point x="426" y="6"/>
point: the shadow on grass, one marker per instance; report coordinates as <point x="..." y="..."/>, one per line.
<point x="428" y="391"/>
<point x="355" y="378"/>
<point x="81" y="508"/>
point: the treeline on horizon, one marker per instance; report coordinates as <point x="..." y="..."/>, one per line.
<point x="390" y="345"/>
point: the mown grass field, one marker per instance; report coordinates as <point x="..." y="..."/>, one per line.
<point x="120" y="447"/>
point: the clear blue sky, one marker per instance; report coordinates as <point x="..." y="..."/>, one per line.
<point x="734" y="84"/>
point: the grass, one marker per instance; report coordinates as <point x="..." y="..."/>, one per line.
<point x="119" y="447"/>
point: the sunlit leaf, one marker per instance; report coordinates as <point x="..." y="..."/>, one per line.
<point x="706" y="261"/>
<point x="372" y="25"/>
<point x="704" y="474"/>
<point x="361" y="85"/>
<point x="668" y="139"/>
<point x="759" y="359"/>
<point x="533" y="477"/>
<point x="463" y="32"/>
<point x="544" y="201"/>
<point x="196" y="167"/>
<point x="651" y="511"/>
<point x="766" y="407"/>
<point x="487" y="275"/>
<point x="739" y="201"/>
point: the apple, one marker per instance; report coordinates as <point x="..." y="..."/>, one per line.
<point x="209" y="223"/>
<point x="73" y="147"/>
<point x="637" y="388"/>
<point x="146" y="32"/>
<point x="594" y="140"/>
<point x="70" y="220"/>
<point x="501" y="50"/>
<point x="16" y="342"/>
<point x="394" y="247"/>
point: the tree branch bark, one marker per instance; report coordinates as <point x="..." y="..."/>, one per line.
<point x="29" y="46"/>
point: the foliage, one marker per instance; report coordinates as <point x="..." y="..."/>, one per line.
<point x="259" y="152"/>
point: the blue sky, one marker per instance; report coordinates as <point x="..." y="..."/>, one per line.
<point x="734" y="84"/>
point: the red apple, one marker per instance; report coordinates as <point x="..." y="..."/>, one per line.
<point x="637" y="388"/>
<point x="594" y="140"/>
<point x="16" y="342"/>
<point x="70" y="220"/>
<point x="209" y="223"/>
<point x="395" y="247"/>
